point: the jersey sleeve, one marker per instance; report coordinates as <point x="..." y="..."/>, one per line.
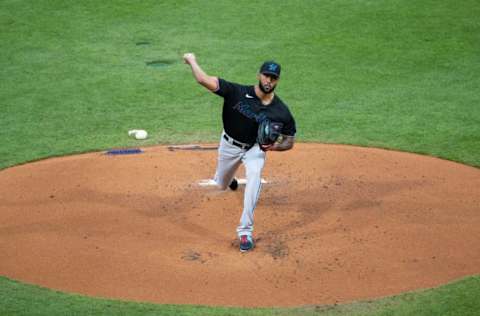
<point x="225" y="88"/>
<point x="289" y="128"/>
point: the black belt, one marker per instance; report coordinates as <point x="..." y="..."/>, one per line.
<point x="238" y="144"/>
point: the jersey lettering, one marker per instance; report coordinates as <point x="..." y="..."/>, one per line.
<point x="247" y="111"/>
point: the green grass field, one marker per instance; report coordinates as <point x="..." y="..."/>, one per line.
<point x="396" y="74"/>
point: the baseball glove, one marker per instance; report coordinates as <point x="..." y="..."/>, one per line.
<point x="268" y="132"/>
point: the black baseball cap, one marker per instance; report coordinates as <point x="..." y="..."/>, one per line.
<point x="270" y="68"/>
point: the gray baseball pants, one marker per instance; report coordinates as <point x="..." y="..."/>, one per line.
<point x="229" y="159"/>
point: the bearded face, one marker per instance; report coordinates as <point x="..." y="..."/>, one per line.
<point x="267" y="83"/>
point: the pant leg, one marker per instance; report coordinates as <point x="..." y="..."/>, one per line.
<point x="254" y="160"/>
<point x="229" y="159"/>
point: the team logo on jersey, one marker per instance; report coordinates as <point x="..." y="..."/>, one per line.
<point x="247" y="111"/>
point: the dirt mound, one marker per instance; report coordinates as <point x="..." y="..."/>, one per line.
<point x="333" y="224"/>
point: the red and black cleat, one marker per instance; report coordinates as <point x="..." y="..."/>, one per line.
<point x="246" y="243"/>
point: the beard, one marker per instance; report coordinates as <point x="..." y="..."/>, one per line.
<point x="265" y="89"/>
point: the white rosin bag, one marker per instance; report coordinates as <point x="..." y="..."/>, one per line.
<point x="138" y="133"/>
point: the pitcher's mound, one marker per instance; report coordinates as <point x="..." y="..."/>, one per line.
<point x="333" y="224"/>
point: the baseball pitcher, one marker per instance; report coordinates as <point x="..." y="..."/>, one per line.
<point x="255" y="121"/>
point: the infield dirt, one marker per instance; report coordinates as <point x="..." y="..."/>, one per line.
<point x="333" y="224"/>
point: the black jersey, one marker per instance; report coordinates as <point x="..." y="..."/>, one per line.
<point x="242" y="109"/>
